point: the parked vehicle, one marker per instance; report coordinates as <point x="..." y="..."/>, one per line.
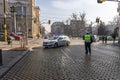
<point x="8" y="37"/>
<point x="16" y="36"/>
<point x="109" y="38"/>
<point x="56" y="41"/>
<point x="95" y="38"/>
<point x="19" y="33"/>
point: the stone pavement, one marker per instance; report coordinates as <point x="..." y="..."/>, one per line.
<point x="108" y="43"/>
<point x="9" y="57"/>
<point x="68" y="63"/>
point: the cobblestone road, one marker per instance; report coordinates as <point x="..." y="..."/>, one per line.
<point x="68" y="63"/>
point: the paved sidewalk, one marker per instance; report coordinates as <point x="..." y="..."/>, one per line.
<point x="5" y="46"/>
<point x="9" y="57"/>
<point x="111" y="43"/>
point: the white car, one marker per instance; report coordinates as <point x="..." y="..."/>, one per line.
<point x="19" y="33"/>
<point x="95" y="38"/>
<point x="56" y="41"/>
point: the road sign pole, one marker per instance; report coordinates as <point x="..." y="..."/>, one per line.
<point x="0" y="57"/>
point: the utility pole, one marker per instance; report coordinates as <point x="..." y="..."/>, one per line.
<point x="26" y="21"/>
<point x="118" y="10"/>
<point x="5" y="28"/>
<point x="98" y="24"/>
<point x="13" y="10"/>
<point x="14" y="13"/>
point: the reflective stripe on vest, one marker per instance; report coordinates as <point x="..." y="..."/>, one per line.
<point x="87" y="38"/>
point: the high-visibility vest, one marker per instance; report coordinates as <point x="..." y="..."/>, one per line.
<point x="87" y="38"/>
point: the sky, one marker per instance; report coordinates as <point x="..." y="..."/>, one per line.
<point x="61" y="10"/>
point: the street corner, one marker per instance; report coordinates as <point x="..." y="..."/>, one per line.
<point x="19" y="49"/>
<point x="35" y="47"/>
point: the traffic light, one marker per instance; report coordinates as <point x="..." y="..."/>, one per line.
<point x="100" y="1"/>
<point x="97" y="20"/>
<point x="49" y="21"/>
<point x="13" y="9"/>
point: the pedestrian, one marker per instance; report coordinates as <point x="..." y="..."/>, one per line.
<point x="88" y="40"/>
<point x="105" y="39"/>
<point x="113" y="36"/>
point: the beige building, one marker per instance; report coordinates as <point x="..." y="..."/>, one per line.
<point x="26" y="19"/>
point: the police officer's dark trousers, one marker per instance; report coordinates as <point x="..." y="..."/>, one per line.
<point x="87" y="47"/>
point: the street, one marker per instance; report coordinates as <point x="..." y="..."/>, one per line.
<point x="68" y="63"/>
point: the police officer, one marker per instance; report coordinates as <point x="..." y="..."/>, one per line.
<point x="88" y="40"/>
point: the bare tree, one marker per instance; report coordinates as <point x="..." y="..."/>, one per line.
<point x="102" y="30"/>
<point x="74" y="16"/>
<point x="82" y="16"/>
<point x="68" y="21"/>
<point x="77" y="24"/>
<point x="115" y="24"/>
<point x="115" y="21"/>
<point x="90" y="26"/>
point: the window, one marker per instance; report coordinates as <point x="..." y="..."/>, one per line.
<point x="60" y="38"/>
<point x="19" y="10"/>
<point x="65" y="37"/>
<point x="24" y="11"/>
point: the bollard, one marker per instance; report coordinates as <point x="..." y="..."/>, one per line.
<point x="11" y="42"/>
<point x="0" y="57"/>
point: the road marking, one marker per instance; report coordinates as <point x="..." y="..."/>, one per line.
<point x="67" y="56"/>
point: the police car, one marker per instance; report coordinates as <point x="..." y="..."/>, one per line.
<point x="56" y="41"/>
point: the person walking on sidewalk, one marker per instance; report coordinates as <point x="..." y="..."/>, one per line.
<point x="105" y="39"/>
<point x="114" y="37"/>
<point x="88" y="40"/>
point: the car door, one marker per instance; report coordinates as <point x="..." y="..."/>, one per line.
<point x="61" y="41"/>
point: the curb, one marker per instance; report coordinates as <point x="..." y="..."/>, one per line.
<point x="6" y="68"/>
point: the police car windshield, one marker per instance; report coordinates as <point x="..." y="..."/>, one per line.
<point x="53" y="38"/>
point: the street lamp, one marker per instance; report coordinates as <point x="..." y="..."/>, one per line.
<point x="118" y="10"/>
<point x="13" y="10"/>
<point x="5" y="28"/>
<point x="98" y="21"/>
<point x="26" y="21"/>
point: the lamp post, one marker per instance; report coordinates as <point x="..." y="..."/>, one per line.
<point x="5" y="28"/>
<point x="26" y="21"/>
<point x="15" y="18"/>
<point x="13" y="10"/>
<point x="118" y="10"/>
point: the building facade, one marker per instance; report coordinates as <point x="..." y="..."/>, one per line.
<point x="75" y="29"/>
<point x="57" y="28"/>
<point x="26" y="19"/>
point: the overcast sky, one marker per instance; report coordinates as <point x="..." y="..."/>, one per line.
<point x="61" y="10"/>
